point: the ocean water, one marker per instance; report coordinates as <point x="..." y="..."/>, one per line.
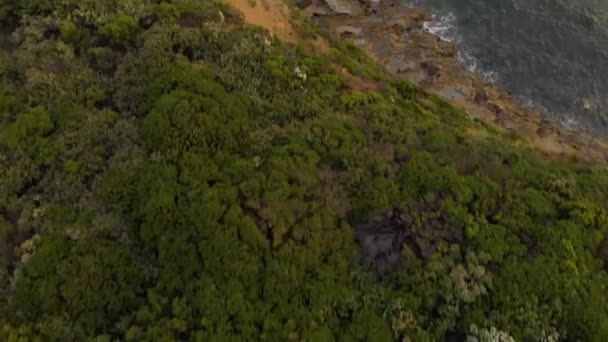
<point x="551" y="54"/>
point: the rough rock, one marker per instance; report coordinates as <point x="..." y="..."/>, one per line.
<point x="431" y="68"/>
<point x="301" y="4"/>
<point x="341" y="6"/>
<point x="319" y="7"/>
<point x="348" y="31"/>
<point x="451" y="93"/>
<point x="428" y="41"/>
<point x="382" y="240"/>
<point x="446" y="49"/>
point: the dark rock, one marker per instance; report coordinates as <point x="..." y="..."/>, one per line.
<point x="340" y="6"/>
<point x="381" y="241"/>
<point x="451" y="93"/>
<point x="543" y="132"/>
<point x="320" y="8"/>
<point x="431" y="68"/>
<point x="494" y="108"/>
<point x="345" y="31"/>
<point x="481" y="96"/>
<point x="301" y="4"/>
<point x="446" y="49"/>
<point x="428" y="41"/>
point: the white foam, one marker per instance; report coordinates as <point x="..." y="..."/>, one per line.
<point x="571" y="123"/>
<point x="444" y="26"/>
<point x="567" y="120"/>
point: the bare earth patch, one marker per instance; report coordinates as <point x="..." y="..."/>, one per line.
<point x="273" y="15"/>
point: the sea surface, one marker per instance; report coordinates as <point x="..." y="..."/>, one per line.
<point x="551" y="54"/>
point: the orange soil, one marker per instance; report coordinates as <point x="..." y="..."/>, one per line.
<point x="270" y="14"/>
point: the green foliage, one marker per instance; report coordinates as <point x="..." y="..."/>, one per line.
<point x="407" y="90"/>
<point x="121" y="29"/>
<point x="34" y="123"/>
<point x="69" y="31"/>
<point x="167" y="11"/>
<point x="30" y="131"/>
<point x="354" y="100"/>
<point x="167" y="173"/>
<point x="94" y="284"/>
<point x="6" y="9"/>
<point x="369" y="326"/>
<point x="72" y="33"/>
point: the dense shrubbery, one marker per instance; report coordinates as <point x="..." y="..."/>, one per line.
<point x="168" y="174"/>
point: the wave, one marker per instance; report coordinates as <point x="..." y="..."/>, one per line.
<point x="444" y="26"/>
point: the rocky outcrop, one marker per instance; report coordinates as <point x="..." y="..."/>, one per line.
<point x="329" y="7"/>
<point x="340" y="6"/>
<point x="388" y="239"/>
<point x="381" y="241"/>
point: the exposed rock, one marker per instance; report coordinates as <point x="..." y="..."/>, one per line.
<point x="428" y="41"/>
<point x="348" y="31"/>
<point x="495" y="107"/>
<point x="321" y="8"/>
<point x="382" y="240"/>
<point x="431" y="68"/>
<point x="341" y="6"/>
<point x="480" y="96"/>
<point x="446" y="49"/>
<point x="450" y="93"/>
<point x="301" y="4"/>
<point x="543" y="132"/>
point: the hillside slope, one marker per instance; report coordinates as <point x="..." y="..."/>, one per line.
<point x="168" y="173"/>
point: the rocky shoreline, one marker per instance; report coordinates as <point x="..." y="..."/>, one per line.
<point x="394" y="35"/>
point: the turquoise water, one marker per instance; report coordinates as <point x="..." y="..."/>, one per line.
<point x="552" y="54"/>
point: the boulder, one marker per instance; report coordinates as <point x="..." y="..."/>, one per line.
<point x="302" y="4"/>
<point x="431" y="67"/>
<point x="451" y="93"/>
<point x="446" y="49"/>
<point x="348" y="31"/>
<point x="341" y="6"/>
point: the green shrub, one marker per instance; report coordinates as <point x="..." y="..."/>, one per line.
<point x="167" y="11"/>
<point x="34" y="123"/>
<point x="122" y="29"/>
<point x="94" y="284"/>
<point x="69" y="31"/>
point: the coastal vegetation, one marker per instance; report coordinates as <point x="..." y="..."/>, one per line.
<point x="168" y="173"/>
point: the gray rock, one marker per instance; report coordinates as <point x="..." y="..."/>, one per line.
<point x="450" y="93"/>
<point x="350" y="30"/>
<point x="340" y="6"/>
<point x="301" y="4"/>
<point x="321" y="8"/>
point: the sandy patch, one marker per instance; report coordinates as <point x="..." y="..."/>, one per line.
<point x="273" y="15"/>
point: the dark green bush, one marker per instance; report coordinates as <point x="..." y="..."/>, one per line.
<point x="122" y="29"/>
